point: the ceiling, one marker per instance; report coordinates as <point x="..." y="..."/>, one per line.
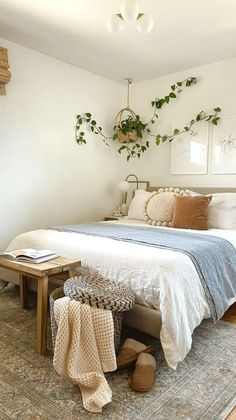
<point x="187" y="33"/>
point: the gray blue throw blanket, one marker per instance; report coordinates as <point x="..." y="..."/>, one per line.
<point x="214" y="258"/>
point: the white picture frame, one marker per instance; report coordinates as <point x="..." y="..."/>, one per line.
<point x="189" y="153"/>
<point x="224" y="146"/>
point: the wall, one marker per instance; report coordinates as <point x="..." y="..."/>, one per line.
<point x="216" y="87"/>
<point x="46" y="178"/>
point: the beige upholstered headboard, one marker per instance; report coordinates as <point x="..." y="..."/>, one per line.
<point x="202" y="190"/>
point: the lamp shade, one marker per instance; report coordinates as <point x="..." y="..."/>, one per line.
<point x="129" y="10"/>
<point x="145" y="24"/>
<point x="123" y="186"/>
<point x="115" y="24"/>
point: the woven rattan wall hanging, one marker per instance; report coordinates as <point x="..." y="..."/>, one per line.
<point x="5" y="74"/>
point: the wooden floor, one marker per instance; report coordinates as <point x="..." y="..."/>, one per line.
<point x="230" y="315"/>
<point x="232" y="415"/>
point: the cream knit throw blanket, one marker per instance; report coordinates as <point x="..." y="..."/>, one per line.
<point x="84" y="349"/>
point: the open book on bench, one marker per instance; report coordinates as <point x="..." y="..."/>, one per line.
<point x="28" y="255"/>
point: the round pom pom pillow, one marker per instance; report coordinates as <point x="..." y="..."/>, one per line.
<point x="159" y="209"/>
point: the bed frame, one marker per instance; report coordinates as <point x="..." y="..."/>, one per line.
<point x="146" y="319"/>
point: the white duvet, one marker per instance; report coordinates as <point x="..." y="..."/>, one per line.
<point x="162" y="279"/>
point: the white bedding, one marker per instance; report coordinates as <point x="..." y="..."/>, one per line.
<point x="162" y="279"/>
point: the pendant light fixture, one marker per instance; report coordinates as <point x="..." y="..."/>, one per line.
<point x="130" y="12"/>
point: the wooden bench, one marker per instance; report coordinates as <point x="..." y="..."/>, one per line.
<point x="58" y="267"/>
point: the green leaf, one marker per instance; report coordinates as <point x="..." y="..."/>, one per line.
<point x="128" y="158"/>
<point x="88" y="114"/>
<point x="172" y="95"/>
<point x="176" y="131"/>
<point x="164" y="138"/>
<point x="158" y="139"/>
<point x="179" y="83"/>
<point x="121" y="148"/>
<point x="173" y="87"/>
<point x="80" y="121"/>
<point x="167" y="99"/>
<point x="218" y="109"/>
<point x="186" y="128"/>
<point x="93" y="122"/>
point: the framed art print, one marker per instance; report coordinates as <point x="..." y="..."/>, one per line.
<point x="189" y="153"/>
<point x="224" y="147"/>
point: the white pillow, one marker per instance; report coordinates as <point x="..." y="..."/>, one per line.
<point x="136" y="208"/>
<point x="192" y="193"/>
<point x="222" y="211"/>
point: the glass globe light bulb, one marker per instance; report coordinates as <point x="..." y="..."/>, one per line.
<point x="115" y="24"/>
<point x="129" y="10"/>
<point x="123" y="186"/>
<point x="145" y="24"/>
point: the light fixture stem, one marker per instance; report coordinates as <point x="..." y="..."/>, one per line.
<point x="136" y="178"/>
<point x="129" y="82"/>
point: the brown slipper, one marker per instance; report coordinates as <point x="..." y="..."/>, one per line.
<point x="130" y="351"/>
<point x="143" y="377"/>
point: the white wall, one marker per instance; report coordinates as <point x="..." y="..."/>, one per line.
<point x="216" y="87"/>
<point x="46" y="178"/>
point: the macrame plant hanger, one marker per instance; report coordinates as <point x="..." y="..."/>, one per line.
<point x="131" y="136"/>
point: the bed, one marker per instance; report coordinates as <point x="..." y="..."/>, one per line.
<point x="170" y="299"/>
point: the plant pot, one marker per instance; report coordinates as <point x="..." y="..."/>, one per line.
<point x="130" y="137"/>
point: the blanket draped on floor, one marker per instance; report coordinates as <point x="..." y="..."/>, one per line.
<point x="84" y="349"/>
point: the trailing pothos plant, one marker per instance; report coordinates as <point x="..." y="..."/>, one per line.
<point x="135" y="134"/>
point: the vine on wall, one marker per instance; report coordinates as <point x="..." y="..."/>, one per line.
<point x="136" y="135"/>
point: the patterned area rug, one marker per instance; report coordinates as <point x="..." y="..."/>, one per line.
<point x="202" y="388"/>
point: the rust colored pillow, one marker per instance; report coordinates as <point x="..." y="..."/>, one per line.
<point x="191" y="212"/>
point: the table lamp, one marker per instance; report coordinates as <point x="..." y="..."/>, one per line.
<point x="124" y="187"/>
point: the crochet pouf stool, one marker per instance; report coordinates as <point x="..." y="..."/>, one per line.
<point x="99" y="293"/>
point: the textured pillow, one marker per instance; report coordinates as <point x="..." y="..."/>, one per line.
<point x="137" y="204"/>
<point x="159" y="209"/>
<point x="222" y="211"/>
<point x="191" y="212"/>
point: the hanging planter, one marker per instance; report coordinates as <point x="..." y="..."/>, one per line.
<point x="134" y="133"/>
<point x="125" y="129"/>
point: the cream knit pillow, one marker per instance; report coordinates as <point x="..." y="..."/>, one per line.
<point x="159" y="209"/>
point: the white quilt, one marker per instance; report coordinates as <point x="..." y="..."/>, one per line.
<point x="162" y="279"/>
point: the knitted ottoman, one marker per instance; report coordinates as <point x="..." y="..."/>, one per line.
<point x="98" y="292"/>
